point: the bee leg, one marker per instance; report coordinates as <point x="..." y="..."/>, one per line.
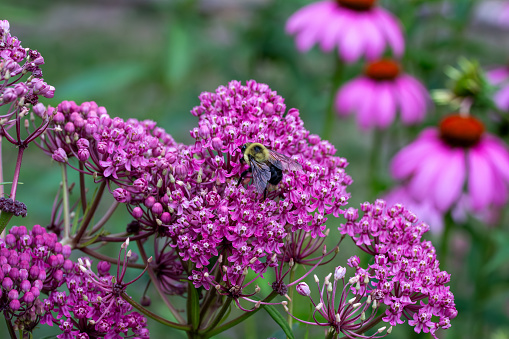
<point x="265" y="194"/>
<point x="243" y="175"/>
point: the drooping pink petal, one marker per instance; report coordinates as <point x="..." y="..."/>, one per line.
<point x="480" y="179"/>
<point x="408" y="159"/>
<point x="497" y="154"/>
<point x="391" y="29"/>
<point x="419" y="93"/>
<point x="301" y="18"/>
<point x="502" y="98"/>
<point x="352" y="41"/>
<point x="386" y="110"/>
<point x="422" y="184"/>
<point x="375" y="42"/>
<point x="333" y="32"/>
<point x="367" y="107"/>
<point x="408" y="104"/>
<point x="350" y="95"/>
<point x="498" y="75"/>
<point x="313" y="33"/>
<point x="450" y="181"/>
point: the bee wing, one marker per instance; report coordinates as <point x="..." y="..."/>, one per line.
<point x="261" y="175"/>
<point x="281" y="161"/>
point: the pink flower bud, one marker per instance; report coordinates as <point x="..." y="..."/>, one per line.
<point x="9" y="95"/>
<point x="166" y="217"/>
<point x="137" y="212"/>
<point x="59" y="155"/>
<point x="157" y="209"/>
<point x="13" y="295"/>
<point x="15" y="305"/>
<point x="303" y="289"/>
<point x="39" y="109"/>
<point x="339" y="273"/>
<point x="103" y="267"/>
<point x="28" y="297"/>
<point x="7" y="284"/>
<point x="34" y="272"/>
<point x="150" y="201"/>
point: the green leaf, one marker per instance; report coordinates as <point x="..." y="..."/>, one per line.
<point x="100" y="80"/>
<point x="193" y="305"/>
<point x="501" y="255"/>
<point x="279" y="319"/>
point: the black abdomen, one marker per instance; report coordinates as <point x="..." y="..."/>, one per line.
<point x="275" y="175"/>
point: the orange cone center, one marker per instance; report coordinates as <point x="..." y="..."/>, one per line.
<point x="358" y="5"/>
<point x="459" y="131"/>
<point x="382" y="70"/>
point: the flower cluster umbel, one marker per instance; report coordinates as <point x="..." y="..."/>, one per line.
<point x="31" y="262"/>
<point x="95" y="302"/>
<point x="406" y="272"/>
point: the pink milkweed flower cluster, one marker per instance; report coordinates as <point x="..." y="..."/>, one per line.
<point x="405" y="275"/>
<point x="356" y="28"/>
<point x="135" y="159"/>
<point x="351" y="315"/>
<point x="31" y="262"/>
<point x="15" y="63"/>
<point x="214" y="216"/>
<point x="380" y="93"/>
<point x="95" y="301"/>
<point x="442" y="162"/>
<point x="500" y="77"/>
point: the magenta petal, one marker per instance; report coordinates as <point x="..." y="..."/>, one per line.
<point x="480" y="179"/>
<point x="502" y="98"/>
<point x="408" y="159"/>
<point x="498" y="75"/>
<point x="451" y="179"/>
<point x="350" y="96"/>
<point x="368" y="106"/>
<point x="375" y="42"/>
<point x="423" y="182"/>
<point x="413" y="99"/>
<point x="301" y="18"/>
<point x="391" y="29"/>
<point x="497" y="154"/>
<point x="386" y="111"/>
<point x="335" y="29"/>
<point x="352" y="42"/>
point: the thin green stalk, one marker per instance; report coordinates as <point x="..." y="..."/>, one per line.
<point x="153" y="315"/>
<point x="10" y="328"/>
<point x="67" y="212"/>
<point x="330" y="118"/>
<point x="220" y="315"/>
<point x="153" y="277"/>
<point x="290" y="294"/>
<point x="88" y="217"/>
<point x="239" y="319"/>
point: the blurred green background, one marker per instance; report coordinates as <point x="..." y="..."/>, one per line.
<point x="151" y="59"/>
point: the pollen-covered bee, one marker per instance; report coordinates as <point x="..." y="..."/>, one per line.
<point x="266" y="165"/>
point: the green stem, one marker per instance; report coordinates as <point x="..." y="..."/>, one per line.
<point x="328" y="126"/>
<point x="10" y="328"/>
<point x="155" y="282"/>
<point x="90" y="213"/>
<point x="67" y="212"/>
<point x="290" y="294"/>
<point x="239" y="319"/>
<point x="444" y="245"/>
<point x="154" y="316"/>
<point x="220" y="315"/>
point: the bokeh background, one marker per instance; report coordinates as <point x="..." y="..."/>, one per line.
<point x="150" y="59"/>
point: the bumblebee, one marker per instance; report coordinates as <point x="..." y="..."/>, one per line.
<point x="266" y="165"/>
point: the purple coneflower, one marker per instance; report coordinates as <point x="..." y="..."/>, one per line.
<point x="380" y="93"/>
<point x="500" y="77"/>
<point x="355" y="27"/>
<point x="439" y="162"/>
